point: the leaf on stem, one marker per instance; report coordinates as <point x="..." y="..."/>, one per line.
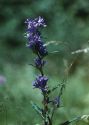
<point x="37" y="109"/>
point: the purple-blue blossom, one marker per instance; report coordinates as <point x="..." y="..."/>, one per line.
<point x="34" y="41"/>
<point x="40" y="22"/>
<point x="40" y="82"/>
<point x="33" y="35"/>
<point x="56" y="101"/>
<point x="43" y="51"/>
<point x="2" y="79"/>
<point x="35" y="23"/>
<point x="39" y="62"/>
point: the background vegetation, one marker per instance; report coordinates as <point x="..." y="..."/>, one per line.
<point x="68" y="25"/>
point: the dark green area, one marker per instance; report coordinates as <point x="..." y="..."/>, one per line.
<point x="68" y="25"/>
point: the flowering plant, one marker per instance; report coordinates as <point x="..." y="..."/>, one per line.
<point x="36" y="44"/>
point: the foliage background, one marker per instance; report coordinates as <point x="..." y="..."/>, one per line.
<point x="68" y="25"/>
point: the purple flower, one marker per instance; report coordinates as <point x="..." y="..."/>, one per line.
<point x="40" y="82"/>
<point x="35" y="23"/>
<point x="56" y="101"/>
<point x="40" y="22"/>
<point x="39" y="62"/>
<point x="34" y="41"/>
<point x="2" y="79"/>
<point x="43" y="51"/>
<point x="34" y="36"/>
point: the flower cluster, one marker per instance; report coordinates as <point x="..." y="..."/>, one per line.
<point x="34" y="35"/>
<point x="41" y="82"/>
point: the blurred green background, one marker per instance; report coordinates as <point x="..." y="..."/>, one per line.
<point x="68" y="26"/>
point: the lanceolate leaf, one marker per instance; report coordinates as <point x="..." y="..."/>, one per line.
<point x="37" y="109"/>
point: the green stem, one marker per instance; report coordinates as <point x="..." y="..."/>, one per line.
<point x="47" y="120"/>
